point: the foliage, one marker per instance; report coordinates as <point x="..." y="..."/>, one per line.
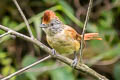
<point x="16" y="53"/>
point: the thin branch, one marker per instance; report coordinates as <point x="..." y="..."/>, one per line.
<point x="25" y="20"/>
<point x="46" y="68"/>
<point x="5" y="34"/>
<point x="80" y="66"/>
<point x="84" y="28"/>
<point x="26" y="68"/>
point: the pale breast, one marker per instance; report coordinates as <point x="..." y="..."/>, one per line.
<point x="61" y="43"/>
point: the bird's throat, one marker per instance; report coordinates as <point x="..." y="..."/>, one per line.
<point x="51" y="31"/>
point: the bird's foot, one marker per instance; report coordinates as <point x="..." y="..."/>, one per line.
<point x="53" y="52"/>
<point x="74" y="63"/>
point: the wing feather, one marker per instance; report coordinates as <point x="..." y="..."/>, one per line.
<point x="70" y="32"/>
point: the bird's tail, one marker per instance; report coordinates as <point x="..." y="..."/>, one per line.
<point x="92" y="36"/>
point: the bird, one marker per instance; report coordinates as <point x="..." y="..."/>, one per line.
<point x="63" y="38"/>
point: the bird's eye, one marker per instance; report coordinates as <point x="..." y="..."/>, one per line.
<point x="52" y="24"/>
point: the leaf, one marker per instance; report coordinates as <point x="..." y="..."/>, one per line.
<point x="72" y="17"/>
<point x="62" y="74"/>
<point x="6" y="61"/>
<point x="5" y="21"/>
<point x="31" y="75"/>
<point x="109" y="54"/>
<point x="66" y="5"/>
<point x="13" y="24"/>
<point x="29" y="60"/>
<point x="101" y="45"/>
<point x="107" y="19"/>
<point x="50" y="1"/>
<point x="91" y="27"/>
<point x="2" y="55"/>
<point x="117" y="71"/>
<point x="8" y="70"/>
<point x="9" y="23"/>
<point x="61" y="17"/>
<point x="22" y="77"/>
<point x="112" y="53"/>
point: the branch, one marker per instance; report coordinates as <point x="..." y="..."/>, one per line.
<point x="80" y="66"/>
<point x="5" y="34"/>
<point x="26" y="68"/>
<point x="84" y="27"/>
<point x="25" y="20"/>
<point x="46" y="68"/>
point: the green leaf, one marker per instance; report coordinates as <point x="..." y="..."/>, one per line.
<point x="50" y="1"/>
<point x="101" y="45"/>
<point x="13" y="24"/>
<point x="107" y="19"/>
<point x="61" y="17"/>
<point x="91" y="27"/>
<point x="22" y="77"/>
<point x="112" y="53"/>
<point x="63" y="73"/>
<point x="9" y="23"/>
<point x="5" y="21"/>
<point x="109" y="54"/>
<point x="2" y="55"/>
<point x="66" y="5"/>
<point x="32" y="75"/>
<point x="72" y="17"/>
<point x="27" y="61"/>
<point x="8" y="70"/>
<point x="117" y="71"/>
<point x="30" y="59"/>
<point x="6" y="61"/>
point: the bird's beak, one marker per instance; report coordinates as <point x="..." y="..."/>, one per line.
<point x="43" y="26"/>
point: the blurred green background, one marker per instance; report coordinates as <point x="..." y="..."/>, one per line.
<point x="102" y="56"/>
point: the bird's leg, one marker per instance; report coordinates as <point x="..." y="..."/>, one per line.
<point x="76" y="60"/>
<point x="53" y="52"/>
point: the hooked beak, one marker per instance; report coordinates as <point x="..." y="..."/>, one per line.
<point x="43" y="26"/>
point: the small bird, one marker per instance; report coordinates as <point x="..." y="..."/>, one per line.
<point x="63" y="38"/>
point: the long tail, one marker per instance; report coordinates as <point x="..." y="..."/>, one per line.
<point x="93" y="36"/>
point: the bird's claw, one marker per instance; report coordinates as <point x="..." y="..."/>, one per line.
<point x="53" y="52"/>
<point x="74" y="63"/>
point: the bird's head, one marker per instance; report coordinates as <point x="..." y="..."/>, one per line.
<point x="48" y="17"/>
<point x="51" y="23"/>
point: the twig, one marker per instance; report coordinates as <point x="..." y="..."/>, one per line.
<point x="5" y="34"/>
<point x="26" y="68"/>
<point x="25" y="20"/>
<point x="80" y="66"/>
<point x="46" y="68"/>
<point x="84" y="27"/>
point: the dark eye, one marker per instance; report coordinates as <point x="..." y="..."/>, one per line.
<point x="52" y="24"/>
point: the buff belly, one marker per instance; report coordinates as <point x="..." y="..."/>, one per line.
<point x="63" y="44"/>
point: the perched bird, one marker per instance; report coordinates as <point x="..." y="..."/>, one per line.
<point x="63" y="38"/>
